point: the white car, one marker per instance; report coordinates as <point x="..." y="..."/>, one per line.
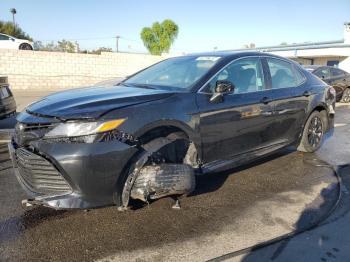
<point x="10" y="42"/>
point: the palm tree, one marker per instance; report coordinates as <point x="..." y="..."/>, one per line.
<point x="13" y="12"/>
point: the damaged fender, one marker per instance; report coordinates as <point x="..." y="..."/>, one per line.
<point x="156" y="181"/>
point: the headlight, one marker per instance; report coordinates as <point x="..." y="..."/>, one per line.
<point x="74" y="129"/>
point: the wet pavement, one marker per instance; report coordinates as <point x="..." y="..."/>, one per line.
<point x="227" y="212"/>
<point x="254" y="202"/>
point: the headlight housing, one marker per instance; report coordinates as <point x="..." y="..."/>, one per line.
<point x="78" y="129"/>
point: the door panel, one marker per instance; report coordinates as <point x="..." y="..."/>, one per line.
<point x="243" y="120"/>
<point x="239" y="124"/>
<point x="290" y="112"/>
<point x="291" y="99"/>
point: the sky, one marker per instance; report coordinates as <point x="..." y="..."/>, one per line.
<point x="203" y="25"/>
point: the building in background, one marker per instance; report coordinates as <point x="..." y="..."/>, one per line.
<point x="331" y="53"/>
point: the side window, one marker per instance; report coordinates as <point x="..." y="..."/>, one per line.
<point x="4" y="37"/>
<point x="323" y="73"/>
<point x="245" y="74"/>
<point x="283" y="74"/>
<point x="336" y="72"/>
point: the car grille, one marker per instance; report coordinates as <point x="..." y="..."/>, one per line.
<point x="38" y="174"/>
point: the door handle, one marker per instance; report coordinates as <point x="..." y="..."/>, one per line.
<point x="265" y="100"/>
<point x="307" y="93"/>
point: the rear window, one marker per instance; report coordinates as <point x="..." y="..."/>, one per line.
<point x="283" y="74"/>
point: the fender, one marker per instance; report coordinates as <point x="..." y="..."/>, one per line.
<point x="193" y="134"/>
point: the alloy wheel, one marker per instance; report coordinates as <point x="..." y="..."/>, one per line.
<point x="346" y="96"/>
<point x="315" y="132"/>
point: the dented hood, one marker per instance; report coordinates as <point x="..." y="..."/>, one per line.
<point x="92" y="102"/>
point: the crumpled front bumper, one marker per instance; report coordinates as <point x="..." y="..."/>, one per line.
<point x="91" y="170"/>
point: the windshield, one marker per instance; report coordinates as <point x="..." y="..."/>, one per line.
<point x="179" y="72"/>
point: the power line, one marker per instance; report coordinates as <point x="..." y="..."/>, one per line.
<point x="78" y="39"/>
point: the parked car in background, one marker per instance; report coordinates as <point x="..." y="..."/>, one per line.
<point x="339" y="79"/>
<point x="10" y="42"/>
<point x="146" y="137"/>
<point x="7" y="101"/>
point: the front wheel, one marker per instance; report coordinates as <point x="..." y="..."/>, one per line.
<point x="25" y="47"/>
<point x="313" y="133"/>
<point x="346" y="96"/>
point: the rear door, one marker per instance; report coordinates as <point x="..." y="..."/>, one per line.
<point x="243" y="120"/>
<point x="291" y="98"/>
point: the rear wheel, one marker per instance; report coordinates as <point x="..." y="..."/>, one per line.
<point x="346" y="96"/>
<point x="313" y="133"/>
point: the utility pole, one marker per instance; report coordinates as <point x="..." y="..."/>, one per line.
<point x="117" y="38"/>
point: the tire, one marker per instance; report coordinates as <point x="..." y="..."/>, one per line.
<point x="25" y="47"/>
<point x="346" y="96"/>
<point x="313" y="132"/>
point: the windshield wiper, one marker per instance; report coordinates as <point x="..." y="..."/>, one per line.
<point x="138" y="85"/>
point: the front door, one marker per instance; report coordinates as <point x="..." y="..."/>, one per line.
<point x="243" y="120"/>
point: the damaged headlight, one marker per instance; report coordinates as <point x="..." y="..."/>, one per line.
<point x="79" y="129"/>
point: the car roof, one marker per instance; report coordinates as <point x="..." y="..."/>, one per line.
<point x="236" y="54"/>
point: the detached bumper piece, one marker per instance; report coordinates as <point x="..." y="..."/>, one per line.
<point x="36" y="174"/>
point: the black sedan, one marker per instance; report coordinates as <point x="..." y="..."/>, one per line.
<point x="7" y="101"/>
<point x="148" y="136"/>
<point x="339" y="79"/>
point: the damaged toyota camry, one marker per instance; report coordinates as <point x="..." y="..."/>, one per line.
<point x="151" y="134"/>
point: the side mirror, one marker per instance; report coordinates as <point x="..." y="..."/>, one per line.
<point x="12" y="39"/>
<point x="323" y="77"/>
<point x="222" y="87"/>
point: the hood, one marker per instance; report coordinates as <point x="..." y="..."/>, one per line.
<point x="92" y="102"/>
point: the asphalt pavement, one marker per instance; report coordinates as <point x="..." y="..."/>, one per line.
<point x="227" y="212"/>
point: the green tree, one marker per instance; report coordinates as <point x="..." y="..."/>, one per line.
<point x="67" y="46"/>
<point x="60" y="46"/>
<point x="100" y="50"/>
<point x="9" y="28"/>
<point x="159" y="38"/>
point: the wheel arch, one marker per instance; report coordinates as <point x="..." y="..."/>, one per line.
<point x="319" y="107"/>
<point x="166" y="127"/>
<point x="147" y="134"/>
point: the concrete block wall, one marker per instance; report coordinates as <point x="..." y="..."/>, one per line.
<point x="55" y="70"/>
